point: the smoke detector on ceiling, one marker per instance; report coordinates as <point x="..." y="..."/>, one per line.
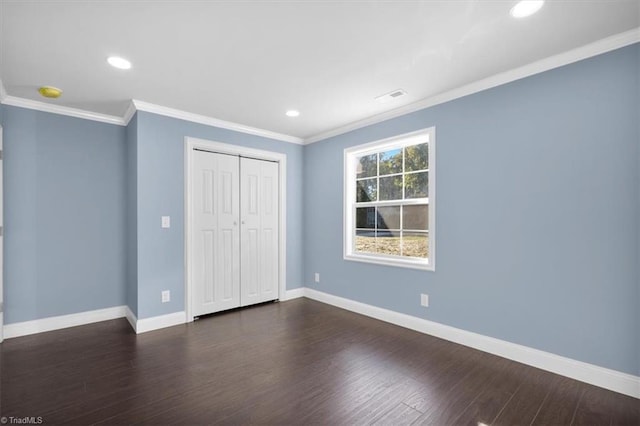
<point x="50" y="92"/>
<point x="390" y="96"/>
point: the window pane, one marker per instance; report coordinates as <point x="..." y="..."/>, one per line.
<point x="416" y="185"/>
<point x="366" y="241"/>
<point x="367" y="166"/>
<point x="388" y="242"/>
<point x="416" y="157"/>
<point x="391" y="188"/>
<point x="389" y="217"/>
<point x="391" y="162"/>
<point x="367" y="190"/>
<point x="415" y="217"/>
<point x="415" y="244"/>
<point x="366" y="217"/>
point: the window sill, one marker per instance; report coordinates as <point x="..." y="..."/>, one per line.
<point x="402" y="263"/>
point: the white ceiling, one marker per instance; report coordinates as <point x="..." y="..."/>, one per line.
<point x="249" y="61"/>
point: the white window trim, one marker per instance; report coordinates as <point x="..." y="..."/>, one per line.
<point x="349" y="194"/>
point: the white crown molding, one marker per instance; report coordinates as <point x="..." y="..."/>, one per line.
<point x="593" y="49"/>
<point x="136" y="105"/>
<point x="599" y="376"/>
<point x="3" y="92"/>
<point x="599" y="47"/>
<point x="64" y="321"/>
<point x="129" y="113"/>
<point x="210" y="121"/>
<point x="62" y="110"/>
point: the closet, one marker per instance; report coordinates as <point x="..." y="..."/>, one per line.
<point x="234" y="231"/>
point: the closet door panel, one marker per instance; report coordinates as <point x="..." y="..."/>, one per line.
<point x="259" y="232"/>
<point x="216" y="240"/>
<point x="270" y="231"/>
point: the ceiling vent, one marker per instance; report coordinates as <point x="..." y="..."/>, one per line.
<point x="391" y="95"/>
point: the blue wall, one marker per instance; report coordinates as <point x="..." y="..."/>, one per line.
<point x="160" y="192"/>
<point x="83" y="202"/>
<point x="537" y="214"/>
<point x="64" y="201"/>
<point x="538" y="230"/>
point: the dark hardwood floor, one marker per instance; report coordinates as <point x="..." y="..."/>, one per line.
<point x="296" y="362"/>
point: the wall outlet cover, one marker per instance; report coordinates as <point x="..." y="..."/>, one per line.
<point x="166" y="221"/>
<point x="424" y="300"/>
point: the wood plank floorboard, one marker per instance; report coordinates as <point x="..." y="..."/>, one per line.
<point x="523" y="407"/>
<point x="560" y="406"/>
<point x="296" y="362"/>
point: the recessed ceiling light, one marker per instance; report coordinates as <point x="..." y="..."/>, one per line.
<point x="292" y="113"/>
<point x="50" y="92"/>
<point x="526" y="8"/>
<point x="118" y="62"/>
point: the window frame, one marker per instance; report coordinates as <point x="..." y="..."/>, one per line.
<point x="350" y="196"/>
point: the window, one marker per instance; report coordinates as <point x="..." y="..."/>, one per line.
<point x="390" y="201"/>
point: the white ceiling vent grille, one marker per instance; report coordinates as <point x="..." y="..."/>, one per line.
<point x="391" y="95"/>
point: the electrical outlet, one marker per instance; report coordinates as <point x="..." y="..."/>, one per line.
<point x="317" y="277"/>
<point x="424" y="300"/>
<point x="166" y="296"/>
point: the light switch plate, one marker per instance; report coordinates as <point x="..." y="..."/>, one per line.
<point x="166" y="221"/>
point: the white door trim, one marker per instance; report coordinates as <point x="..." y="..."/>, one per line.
<point x="224" y="148"/>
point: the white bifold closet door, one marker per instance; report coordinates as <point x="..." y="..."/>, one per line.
<point x="259" y="231"/>
<point x="216" y="241"/>
<point x="234" y="256"/>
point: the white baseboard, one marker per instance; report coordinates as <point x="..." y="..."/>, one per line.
<point x="293" y="294"/>
<point x="64" y="321"/>
<point x="599" y="376"/>
<point x="131" y="317"/>
<point x="72" y="320"/>
<point x="154" y="323"/>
